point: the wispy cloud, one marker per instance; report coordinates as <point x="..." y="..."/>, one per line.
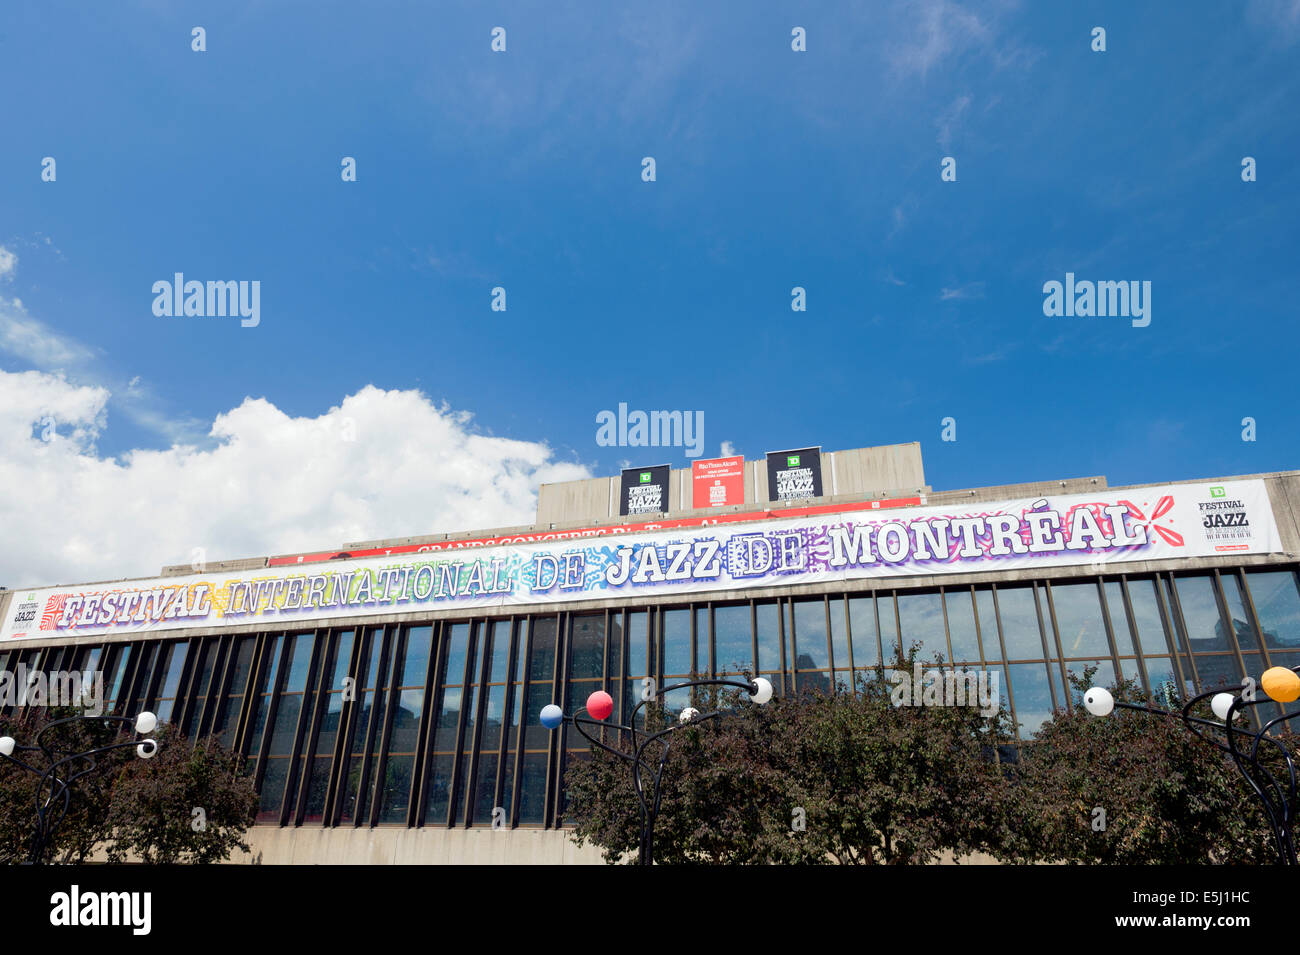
<point x="1281" y="18"/>
<point x="36" y="343"/>
<point x="962" y="292"/>
<point x="1001" y="353"/>
<point x="942" y="29"/>
<point x="948" y="120"/>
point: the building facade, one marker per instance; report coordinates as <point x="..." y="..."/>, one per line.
<point x="407" y="735"/>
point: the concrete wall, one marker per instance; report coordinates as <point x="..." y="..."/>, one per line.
<point x="400" y="846"/>
<point x="892" y="470"/>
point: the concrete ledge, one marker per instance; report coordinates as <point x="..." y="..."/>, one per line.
<point x="401" y="846"/>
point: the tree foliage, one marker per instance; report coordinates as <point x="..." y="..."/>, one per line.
<point x="875" y="783"/>
<point x="129" y="808"/>
<point x="85" y="825"/>
<point x="186" y="804"/>
<point x="812" y="778"/>
<point x="1131" y="788"/>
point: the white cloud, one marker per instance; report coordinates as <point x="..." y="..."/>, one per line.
<point x="1281" y="18"/>
<point x="34" y="341"/>
<point x="8" y="262"/>
<point x="380" y="464"/>
<point x="942" y="30"/>
<point x="962" y="292"/>
<point x="948" y="120"/>
<point x="728" y="450"/>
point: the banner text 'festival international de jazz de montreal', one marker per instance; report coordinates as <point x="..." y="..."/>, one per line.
<point x="1106" y="527"/>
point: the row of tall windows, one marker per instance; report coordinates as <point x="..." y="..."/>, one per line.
<point x="436" y="724"/>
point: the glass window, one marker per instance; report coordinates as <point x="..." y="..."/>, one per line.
<point x="734" y="648"/>
<point x="810" y="635"/>
<point x="1019" y="624"/>
<point x="207" y="651"/>
<point x="541" y="657"/>
<point x="261" y="693"/>
<point x="490" y="734"/>
<point x="677" y="643"/>
<point x="862" y="621"/>
<point x="888" y="624"/>
<point x="290" y="706"/>
<point x="395" y="793"/>
<point x="1277" y="602"/>
<point x="769" y="639"/>
<point x="514" y="710"/>
<point x="1235" y="601"/>
<point x="327" y="735"/>
<point x="1162" y="681"/>
<point x="988" y="624"/>
<point x="472" y="719"/>
<point x="1033" y="696"/>
<point x="227" y="718"/>
<point x="353" y="804"/>
<point x="839" y="633"/>
<point x="961" y="626"/>
<point x="532" y="790"/>
<point x="172" y="665"/>
<point x="1078" y="620"/>
<point x="921" y="617"/>
<point x="1104" y="677"/>
<point x="702" y="641"/>
<point x="1205" y="631"/>
<point x="587" y="655"/>
<point x="537" y="738"/>
<point x="638" y="646"/>
<point x="1146" y="614"/>
<point x="1118" y="619"/>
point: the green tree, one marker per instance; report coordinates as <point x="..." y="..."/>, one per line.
<point x="813" y="778"/>
<point x="1130" y="788"/>
<point x="186" y="804"/>
<point x="85" y="825"/>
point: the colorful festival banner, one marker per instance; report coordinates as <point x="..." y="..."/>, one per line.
<point x="1106" y="527"/>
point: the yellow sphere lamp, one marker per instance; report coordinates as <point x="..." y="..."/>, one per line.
<point x="1281" y="684"/>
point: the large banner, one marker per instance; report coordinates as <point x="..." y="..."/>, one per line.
<point x="794" y="475"/>
<point x="1107" y="527"/>
<point x="644" y="491"/>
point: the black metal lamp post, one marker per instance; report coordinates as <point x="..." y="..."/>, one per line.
<point x="1247" y="748"/>
<point x="600" y="706"/>
<point x="64" y="768"/>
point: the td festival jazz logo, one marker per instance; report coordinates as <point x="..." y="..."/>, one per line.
<point x="1225" y="521"/>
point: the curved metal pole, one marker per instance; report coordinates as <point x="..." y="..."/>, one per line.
<point x="639" y="743"/>
<point x="59" y="787"/>
<point x="1278" y="802"/>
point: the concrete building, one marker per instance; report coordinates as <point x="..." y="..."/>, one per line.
<point x="387" y="692"/>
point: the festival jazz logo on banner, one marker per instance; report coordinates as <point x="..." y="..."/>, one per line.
<point x="718" y="482"/>
<point x="644" y="490"/>
<point x="794" y="475"/>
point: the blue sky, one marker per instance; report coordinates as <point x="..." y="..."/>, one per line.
<point x="775" y="169"/>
